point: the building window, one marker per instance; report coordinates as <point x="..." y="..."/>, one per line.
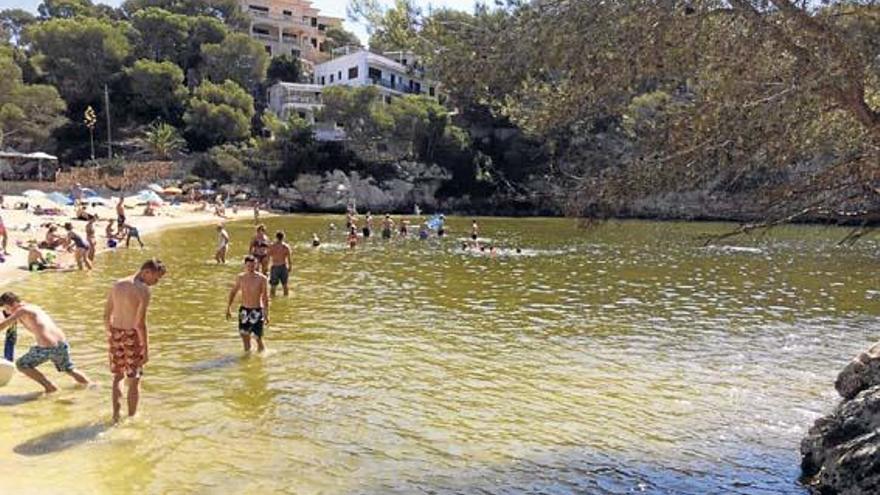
<point x="403" y="61"/>
<point x="353" y="73"/>
<point x="417" y="87"/>
<point x="302" y="115"/>
<point x="321" y="27"/>
<point x="322" y="81"/>
<point x="339" y="75"/>
<point x="331" y="78"/>
<point x="374" y="73"/>
<point x="258" y="8"/>
<point x="287" y="13"/>
<point x="315" y="45"/>
<point x="261" y="31"/>
<point x="314" y="22"/>
<point x="268" y="49"/>
<point x="393" y="80"/>
<point x="431" y="90"/>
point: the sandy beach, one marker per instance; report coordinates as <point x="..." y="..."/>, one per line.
<point x="23" y="226"/>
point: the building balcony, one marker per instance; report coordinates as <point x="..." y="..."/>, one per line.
<point x="396" y="86"/>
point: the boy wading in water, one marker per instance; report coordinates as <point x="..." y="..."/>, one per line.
<point x="253" y="314"/>
<point x="279" y="253"/>
<point x="125" y="320"/>
<point x="51" y="342"/>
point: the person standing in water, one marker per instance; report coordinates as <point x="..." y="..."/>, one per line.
<point x="387" y="227"/>
<point x="260" y="248"/>
<point x="51" y="342"/>
<point x="253" y="313"/>
<point x="128" y="340"/>
<point x="81" y="247"/>
<point x="368" y="226"/>
<point x="352" y="237"/>
<point x="222" y="244"/>
<point x="475" y="230"/>
<point x="120" y="213"/>
<point x="91" y="238"/>
<point x="279" y="252"/>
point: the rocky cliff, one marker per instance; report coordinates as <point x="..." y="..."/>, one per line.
<point x="841" y="452"/>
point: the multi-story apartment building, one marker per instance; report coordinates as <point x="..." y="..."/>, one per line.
<point x="289" y="27"/>
<point x="394" y="75"/>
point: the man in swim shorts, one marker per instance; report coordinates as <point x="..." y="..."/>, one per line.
<point x="279" y="253"/>
<point x="387" y="227"/>
<point x="125" y="322"/>
<point x="131" y="232"/>
<point x="120" y="213"/>
<point x="51" y="343"/>
<point x="222" y="244"/>
<point x="253" y="314"/>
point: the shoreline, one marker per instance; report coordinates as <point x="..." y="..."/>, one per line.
<point x="14" y="268"/>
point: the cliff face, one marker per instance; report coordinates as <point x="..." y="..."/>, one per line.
<point x="841" y="452"/>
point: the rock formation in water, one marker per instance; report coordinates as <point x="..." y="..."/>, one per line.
<point x="841" y="452"/>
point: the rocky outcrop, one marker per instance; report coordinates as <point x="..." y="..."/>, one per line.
<point x="841" y="452"/>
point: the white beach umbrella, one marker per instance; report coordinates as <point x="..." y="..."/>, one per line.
<point x="33" y="194"/>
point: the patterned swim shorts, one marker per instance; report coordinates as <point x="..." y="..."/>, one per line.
<point x="59" y="355"/>
<point x="126" y="353"/>
<point x="250" y="320"/>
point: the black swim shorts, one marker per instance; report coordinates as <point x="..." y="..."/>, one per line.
<point x="250" y="320"/>
<point x="278" y="274"/>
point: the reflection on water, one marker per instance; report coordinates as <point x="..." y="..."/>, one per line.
<point x="625" y="359"/>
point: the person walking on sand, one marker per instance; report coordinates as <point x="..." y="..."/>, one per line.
<point x="4" y="237"/>
<point x="279" y="253"/>
<point x="81" y="247"/>
<point x="51" y="343"/>
<point x="222" y="244"/>
<point x="91" y="238"/>
<point x="257" y="213"/>
<point x="128" y="340"/>
<point x="253" y="313"/>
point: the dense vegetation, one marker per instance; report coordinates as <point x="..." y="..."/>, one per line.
<point x="586" y="106"/>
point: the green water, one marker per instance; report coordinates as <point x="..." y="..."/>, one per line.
<point x="623" y="359"/>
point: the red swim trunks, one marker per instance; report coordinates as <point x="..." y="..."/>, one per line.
<point x="126" y="353"/>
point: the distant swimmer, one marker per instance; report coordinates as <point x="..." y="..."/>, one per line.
<point x="51" y="343"/>
<point x="441" y="230"/>
<point x="80" y="247"/>
<point x="475" y="230"/>
<point x="222" y="244"/>
<point x="253" y="313"/>
<point x="316" y="241"/>
<point x="279" y="252"/>
<point x="260" y="248"/>
<point x="403" y="232"/>
<point x="387" y="227"/>
<point x="128" y="338"/>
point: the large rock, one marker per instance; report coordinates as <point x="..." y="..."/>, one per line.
<point x="841" y="452"/>
<point x="863" y="372"/>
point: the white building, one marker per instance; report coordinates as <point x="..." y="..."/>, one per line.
<point x="395" y="76"/>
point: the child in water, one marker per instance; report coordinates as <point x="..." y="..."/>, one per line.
<point x="352" y="237"/>
<point x="316" y="242"/>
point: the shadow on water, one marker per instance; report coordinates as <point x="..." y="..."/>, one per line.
<point x="600" y="474"/>
<point x="16" y="400"/>
<point x="59" y="440"/>
<point x="217" y="363"/>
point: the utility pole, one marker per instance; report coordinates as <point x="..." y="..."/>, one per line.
<point x="107" y="111"/>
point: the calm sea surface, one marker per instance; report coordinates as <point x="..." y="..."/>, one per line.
<point x="622" y="359"/>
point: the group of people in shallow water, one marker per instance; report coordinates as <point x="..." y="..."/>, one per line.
<point x="266" y="266"/>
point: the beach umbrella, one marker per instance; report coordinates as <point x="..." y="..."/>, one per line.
<point x="61" y="199"/>
<point x="33" y="194"/>
<point x="155" y="188"/>
<point x="172" y="190"/>
<point x="88" y="193"/>
<point x="149" y="197"/>
<point x="98" y="200"/>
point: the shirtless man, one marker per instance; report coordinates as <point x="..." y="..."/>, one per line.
<point x="125" y="321"/>
<point x="279" y="252"/>
<point x="222" y="244"/>
<point x="91" y="238"/>
<point x="4" y="236"/>
<point x="475" y="231"/>
<point x="253" y="313"/>
<point x="51" y="342"/>
<point x="120" y="212"/>
<point x="260" y="248"/>
<point x="387" y="227"/>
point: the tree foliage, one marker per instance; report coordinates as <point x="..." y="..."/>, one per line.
<point x="163" y="35"/>
<point x="157" y="89"/>
<point x="78" y="56"/>
<point x="13" y="22"/>
<point x="218" y="113"/>
<point x="237" y="58"/>
<point x="286" y="68"/>
<point x="162" y="140"/>
<point x="28" y="112"/>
